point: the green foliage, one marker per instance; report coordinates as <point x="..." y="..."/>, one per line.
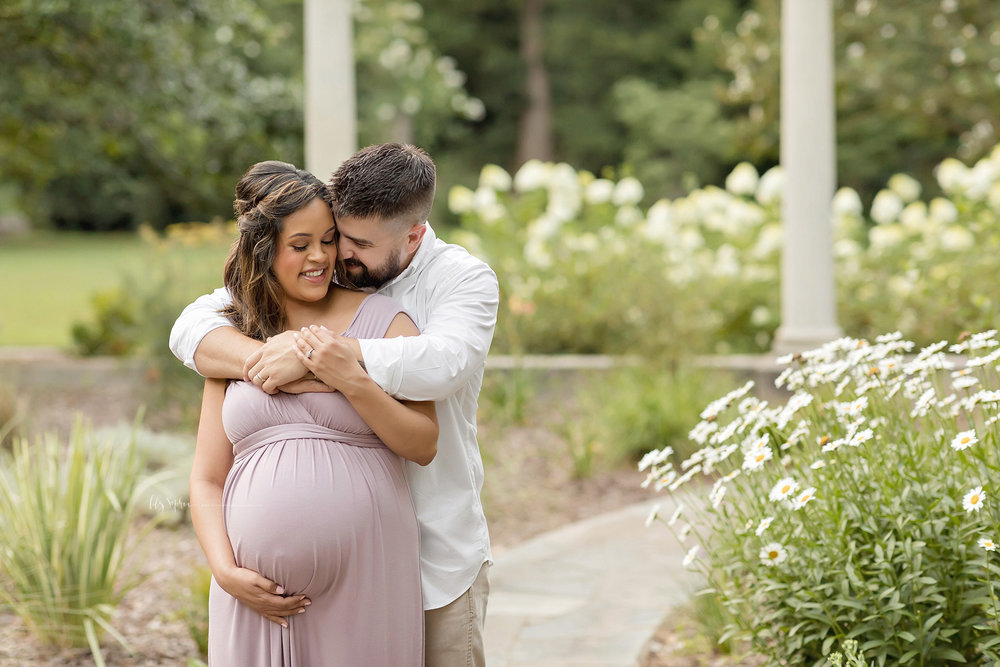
<point x="851" y="656"/>
<point x="862" y="508"/>
<point x="66" y="511"/>
<point x="116" y="326"/>
<point x="583" y="267"/>
<point x="648" y="406"/>
<point x="136" y="317"/>
<point x="11" y="414"/>
<point x="506" y="396"/>
<point x="193" y="606"/>
<point x="407" y="91"/>
<point x="913" y="81"/>
<point x="195" y="102"/>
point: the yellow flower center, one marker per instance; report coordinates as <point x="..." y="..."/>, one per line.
<point x="966" y="440"/>
<point x="786" y="488"/>
<point x="772" y="554"/>
<point x="974" y="500"/>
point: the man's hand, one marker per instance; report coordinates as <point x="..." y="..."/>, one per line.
<point x="328" y="356"/>
<point x="275" y="364"/>
<point x="261" y="594"/>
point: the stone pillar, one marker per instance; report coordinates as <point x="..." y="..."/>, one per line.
<point x="808" y="302"/>
<point x="331" y="117"/>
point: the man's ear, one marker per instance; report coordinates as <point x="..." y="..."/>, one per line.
<point x="414" y="237"/>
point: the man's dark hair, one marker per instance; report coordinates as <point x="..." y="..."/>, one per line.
<point x="393" y="182"/>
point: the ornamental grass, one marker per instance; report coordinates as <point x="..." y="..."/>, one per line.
<point x="66" y="514"/>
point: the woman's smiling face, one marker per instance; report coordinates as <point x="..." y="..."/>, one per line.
<point x="306" y="252"/>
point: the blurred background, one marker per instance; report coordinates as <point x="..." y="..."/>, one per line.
<point x="616" y="163"/>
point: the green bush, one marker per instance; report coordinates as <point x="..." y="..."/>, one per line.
<point x="650" y="406"/>
<point x="862" y="508"/>
<point x="66" y="511"/>
<point x="584" y="268"/>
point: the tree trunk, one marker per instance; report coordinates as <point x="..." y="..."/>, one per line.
<point x="535" y="139"/>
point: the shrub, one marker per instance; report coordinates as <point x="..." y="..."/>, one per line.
<point x="66" y="510"/>
<point x="583" y="267"/>
<point x="649" y="406"/>
<point x="862" y="508"/>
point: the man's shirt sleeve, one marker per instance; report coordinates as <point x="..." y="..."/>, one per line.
<point x="195" y="322"/>
<point x="453" y="342"/>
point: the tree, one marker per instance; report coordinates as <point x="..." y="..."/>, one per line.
<point x="913" y="82"/>
<point x="117" y="112"/>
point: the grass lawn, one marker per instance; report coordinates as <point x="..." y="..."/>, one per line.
<point x="47" y="279"/>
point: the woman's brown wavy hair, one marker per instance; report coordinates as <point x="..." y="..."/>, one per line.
<point x="268" y="193"/>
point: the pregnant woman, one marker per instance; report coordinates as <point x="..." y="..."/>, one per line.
<point x="304" y="494"/>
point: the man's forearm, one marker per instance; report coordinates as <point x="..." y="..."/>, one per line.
<point x="222" y="353"/>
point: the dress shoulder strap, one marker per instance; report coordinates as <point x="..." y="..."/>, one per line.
<point x="374" y="316"/>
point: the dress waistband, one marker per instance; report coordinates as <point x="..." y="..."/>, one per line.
<point x="280" y="432"/>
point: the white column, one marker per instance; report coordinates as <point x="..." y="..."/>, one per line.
<point x="808" y="303"/>
<point x="331" y="117"/>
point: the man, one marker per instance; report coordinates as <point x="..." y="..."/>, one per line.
<point x="382" y="197"/>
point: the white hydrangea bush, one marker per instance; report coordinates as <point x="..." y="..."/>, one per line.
<point x="561" y="236"/>
<point x="861" y="504"/>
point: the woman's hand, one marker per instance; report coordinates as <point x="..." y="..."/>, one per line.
<point x="274" y="364"/>
<point x="261" y="594"/>
<point x="329" y="356"/>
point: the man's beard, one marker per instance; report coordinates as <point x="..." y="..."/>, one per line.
<point x="352" y="273"/>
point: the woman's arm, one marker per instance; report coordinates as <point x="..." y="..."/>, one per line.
<point x="213" y="458"/>
<point x="408" y="428"/>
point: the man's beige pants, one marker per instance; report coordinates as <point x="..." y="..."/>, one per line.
<point x="453" y="634"/>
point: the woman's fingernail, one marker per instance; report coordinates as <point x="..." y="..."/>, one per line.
<point x="301" y="611"/>
<point x="280" y="591"/>
<point x="307" y="603"/>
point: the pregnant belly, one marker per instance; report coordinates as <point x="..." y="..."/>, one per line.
<point x="302" y="512"/>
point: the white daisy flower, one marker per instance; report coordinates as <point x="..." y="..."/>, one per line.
<point x="973" y="500"/>
<point x="653" y="515"/>
<point x="965" y="382"/>
<point x="817" y="464"/>
<point x="773" y="554"/>
<point x="803" y="497"/>
<point x="702" y="431"/>
<point x="987" y="543"/>
<point x="685" y="531"/>
<point x="755" y="459"/>
<point x="783" y="489"/>
<point x="991" y="396"/>
<point x="861" y="437"/>
<point x="691" y="555"/>
<point x="717" y="496"/>
<point x="764" y="524"/>
<point x="655" y="457"/>
<point x="964" y="440"/>
<point x="676" y="515"/>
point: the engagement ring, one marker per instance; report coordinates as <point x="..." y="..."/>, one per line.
<point x="260" y="377"/>
<point x="309" y="353"/>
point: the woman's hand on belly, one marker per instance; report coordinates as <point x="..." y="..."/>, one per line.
<point x="261" y="594"/>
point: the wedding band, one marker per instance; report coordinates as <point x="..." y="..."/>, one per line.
<point x="309" y="353"/>
<point x="260" y="377"/>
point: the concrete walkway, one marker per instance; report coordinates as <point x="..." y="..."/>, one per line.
<point x="590" y="594"/>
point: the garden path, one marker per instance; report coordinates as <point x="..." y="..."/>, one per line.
<point x="589" y="594"/>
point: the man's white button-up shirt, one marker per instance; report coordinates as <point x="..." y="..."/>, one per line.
<point x="453" y="297"/>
